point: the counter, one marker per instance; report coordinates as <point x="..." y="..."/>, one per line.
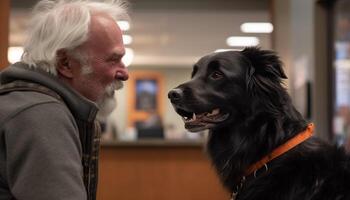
<point x="157" y="170"/>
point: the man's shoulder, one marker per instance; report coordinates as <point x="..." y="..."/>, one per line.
<point x="20" y="98"/>
<point x="18" y="101"/>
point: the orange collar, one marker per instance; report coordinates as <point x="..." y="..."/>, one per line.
<point x="301" y="137"/>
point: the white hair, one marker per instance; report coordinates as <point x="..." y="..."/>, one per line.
<point x="63" y="24"/>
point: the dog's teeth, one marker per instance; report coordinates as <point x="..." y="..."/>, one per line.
<point x="185" y="118"/>
<point x="194" y="117"/>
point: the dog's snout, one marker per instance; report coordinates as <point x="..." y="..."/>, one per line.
<point x="175" y="95"/>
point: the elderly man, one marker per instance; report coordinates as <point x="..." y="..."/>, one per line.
<point x="48" y="101"/>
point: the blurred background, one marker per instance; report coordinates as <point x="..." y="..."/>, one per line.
<point x="146" y="152"/>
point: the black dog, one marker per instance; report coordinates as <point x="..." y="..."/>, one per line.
<point x="258" y="142"/>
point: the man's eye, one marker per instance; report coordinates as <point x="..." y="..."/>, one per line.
<point x="216" y="75"/>
<point x="114" y="60"/>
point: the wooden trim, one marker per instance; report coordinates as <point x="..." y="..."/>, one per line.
<point x="4" y="33"/>
<point x="136" y="115"/>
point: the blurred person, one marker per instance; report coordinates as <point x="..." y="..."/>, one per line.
<point x="48" y="102"/>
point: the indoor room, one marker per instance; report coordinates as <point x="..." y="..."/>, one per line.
<point x="145" y="151"/>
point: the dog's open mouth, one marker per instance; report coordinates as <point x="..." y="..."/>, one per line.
<point x="195" y="122"/>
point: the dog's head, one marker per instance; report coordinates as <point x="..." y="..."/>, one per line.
<point x="226" y="87"/>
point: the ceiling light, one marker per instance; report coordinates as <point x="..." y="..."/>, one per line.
<point x="223" y="50"/>
<point x="14" y="54"/>
<point x="237" y="41"/>
<point x="123" y="25"/>
<point x="128" y="57"/>
<point x="127" y="39"/>
<point x="256" y="27"/>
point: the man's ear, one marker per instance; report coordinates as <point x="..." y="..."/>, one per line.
<point x="62" y="64"/>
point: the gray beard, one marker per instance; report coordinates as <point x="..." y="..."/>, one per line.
<point x="108" y="102"/>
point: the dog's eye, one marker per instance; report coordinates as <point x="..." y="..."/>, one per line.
<point x="216" y="75"/>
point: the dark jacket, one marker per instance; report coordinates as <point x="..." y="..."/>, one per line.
<point x="49" y="139"/>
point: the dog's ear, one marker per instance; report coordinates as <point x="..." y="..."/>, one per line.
<point x="264" y="68"/>
<point x="264" y="62"/>
<point x="264" y="79"/>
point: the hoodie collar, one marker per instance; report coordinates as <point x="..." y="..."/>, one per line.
<point x="81" y="107"/>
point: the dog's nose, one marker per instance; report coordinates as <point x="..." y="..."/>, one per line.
<point x="175" y="95"/>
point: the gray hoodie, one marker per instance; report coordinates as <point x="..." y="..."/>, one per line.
<point x="48" y="138"/>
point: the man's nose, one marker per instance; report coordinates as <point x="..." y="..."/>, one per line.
<point x="122" y="74"/>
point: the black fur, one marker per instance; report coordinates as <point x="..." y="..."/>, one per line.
<point x="248" y="85"/>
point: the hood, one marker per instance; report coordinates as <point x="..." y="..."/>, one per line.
<point x="81" y="107"/>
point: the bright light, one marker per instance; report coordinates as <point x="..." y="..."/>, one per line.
<point x="236" y="41"/>
<point x="14" y="54"/>
<point x="123" y="25"/>
<point x="223" y="50"/>
<point x="257" y="27"/>
<point x="128" y="57"/>
<point x="127" y="39"/>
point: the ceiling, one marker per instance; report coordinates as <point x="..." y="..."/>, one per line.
<point x="170" y="33"/>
